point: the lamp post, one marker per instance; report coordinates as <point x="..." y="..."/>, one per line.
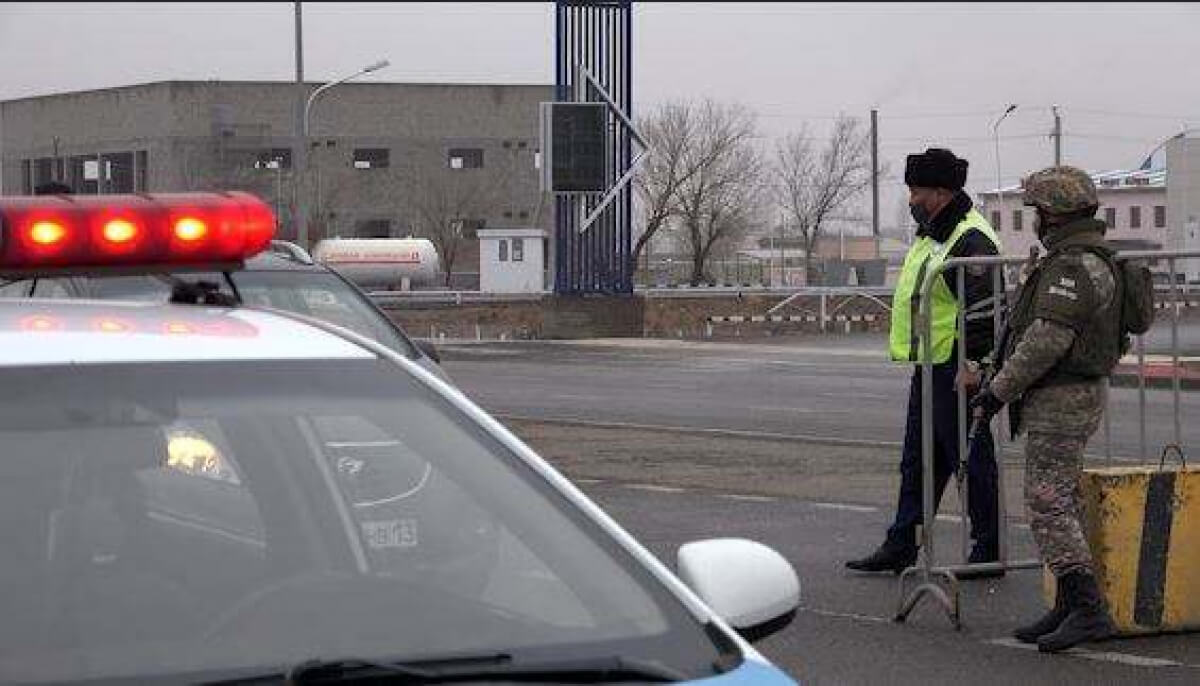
<point x="302" y="199"/>
<point x="999" y="180"/>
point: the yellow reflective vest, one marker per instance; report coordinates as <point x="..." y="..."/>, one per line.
<point x="925" y="256"/>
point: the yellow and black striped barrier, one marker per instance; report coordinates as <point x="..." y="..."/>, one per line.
<point x="1143" y="525"/>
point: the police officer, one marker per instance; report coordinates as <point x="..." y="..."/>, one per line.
<point x="1063" y="340"/>
<point x="948" y="226"/>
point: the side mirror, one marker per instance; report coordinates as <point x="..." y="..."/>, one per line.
<point x="429" y="349"/>
<point x="747" y="584"/>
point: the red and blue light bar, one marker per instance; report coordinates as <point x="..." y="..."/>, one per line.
<point x="169" y="231"/>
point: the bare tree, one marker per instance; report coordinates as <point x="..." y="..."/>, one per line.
<point x="668" y="131"/>
<point x="717" y="199"/>
<point x="447" y="203"/>
<point x="812" y="185"/>
<point x="685" y="139"/>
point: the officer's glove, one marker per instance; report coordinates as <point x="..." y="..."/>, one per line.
<point x="985" y="405"/>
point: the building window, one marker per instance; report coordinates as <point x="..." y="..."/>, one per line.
<point x="275" y="158"/>
<point x="1110" y="217"/>
<point x="503" y="251"/>
<point x="43" y="171"/>
<point x="1018" y="216"/>
<point x="1135" y="217"/>
<point x="26" y="178"/>
<point x="996" y="219"/>
<point x="1160" y="216"/>
<point x="518" y="250"/>
<point x="118" y="172"/>
<point x="371" y="158"/>
<point x="466" y="158"/>
<point x="141" y="163"/>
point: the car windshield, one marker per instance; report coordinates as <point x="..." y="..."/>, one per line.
<point x="211" y="516"/>
<point x="314" y="293"/>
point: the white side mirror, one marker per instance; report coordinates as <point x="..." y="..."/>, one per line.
<point x="746" y="583"/>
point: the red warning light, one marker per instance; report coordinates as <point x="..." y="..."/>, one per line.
<point x="79" y="234"/>
<point x="47" y="233"/>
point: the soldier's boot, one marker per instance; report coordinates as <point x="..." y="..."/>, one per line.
<point x="1087" y="618"/>
<point x="1030" y="633"/>
<point x="890" y="557"/>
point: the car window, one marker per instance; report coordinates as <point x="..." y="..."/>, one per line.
<point x="212" y="516"/>
<point x="50" y="288"/>
<point x="15" y="289"/>
<point x="317" y="294"/>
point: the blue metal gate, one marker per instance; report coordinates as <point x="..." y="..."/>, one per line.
<point x="596" y="36"/>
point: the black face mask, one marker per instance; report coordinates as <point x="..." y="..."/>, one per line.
<point x="920" y="215"/>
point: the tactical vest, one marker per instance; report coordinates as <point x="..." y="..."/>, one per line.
<point x="1097" y="346"/>
<point x="922" y="259"/>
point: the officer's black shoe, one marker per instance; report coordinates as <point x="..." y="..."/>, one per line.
<point x="1087" y="618"/>
<point x="1030" y="633"/>
<point x="979" y="554"/>
<point x="890" y="557"/>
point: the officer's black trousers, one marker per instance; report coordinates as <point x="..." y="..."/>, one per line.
<point x="981" y="464"/>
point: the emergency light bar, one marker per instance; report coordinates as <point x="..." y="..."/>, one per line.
<point x="136" y="233"/>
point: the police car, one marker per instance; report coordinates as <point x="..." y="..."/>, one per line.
<point x="284" y="277"/>
<point x="224" y="493"/>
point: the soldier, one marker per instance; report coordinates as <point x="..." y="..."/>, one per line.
<point x="1064" y="338"/>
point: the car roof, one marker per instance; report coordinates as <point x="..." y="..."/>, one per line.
<point x="47" y="332"/>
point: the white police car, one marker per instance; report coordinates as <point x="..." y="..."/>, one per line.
<point x="204" y="493"/>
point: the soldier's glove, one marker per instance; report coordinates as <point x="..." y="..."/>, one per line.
<point x="985" y="405"/>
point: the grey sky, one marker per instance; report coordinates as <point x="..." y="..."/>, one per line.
<point x="1123" y="74"/>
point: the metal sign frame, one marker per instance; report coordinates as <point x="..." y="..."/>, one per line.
<point x="593" y="233"/>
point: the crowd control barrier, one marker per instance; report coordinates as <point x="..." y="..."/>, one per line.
<point x="941" y="581"/>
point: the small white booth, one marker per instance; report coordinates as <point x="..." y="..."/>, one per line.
<point x="511" y="260"/>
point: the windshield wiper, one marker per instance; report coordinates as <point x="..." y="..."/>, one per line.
<point x="499" y="667"/>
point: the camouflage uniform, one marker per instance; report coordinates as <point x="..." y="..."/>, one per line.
<point x="1058" y="419"/>
<point x="1071" y="292"/>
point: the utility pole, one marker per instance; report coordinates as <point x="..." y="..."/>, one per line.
<point x="300" y="158"/>
<point x="1057" y="136"/>
<point x="875" y="178"/>
<point x="782" y="274"/>
<point x="875" y="173"/>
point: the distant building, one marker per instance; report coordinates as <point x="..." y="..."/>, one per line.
<point x="1132" y="203"/>
<point x="1183" y="200"/>
<point x="384" y="158"/>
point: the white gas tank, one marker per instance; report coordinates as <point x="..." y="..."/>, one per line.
<point x="381" y="262"/>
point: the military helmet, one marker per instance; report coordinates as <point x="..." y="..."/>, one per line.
<point x="1060" y="190"/>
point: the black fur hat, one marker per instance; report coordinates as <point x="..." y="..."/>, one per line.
<point x="936" y="168"/>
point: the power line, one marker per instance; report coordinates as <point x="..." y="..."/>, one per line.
<point x="1104" y="137"/>
<point x="1133" y="115"/>
<point x="918" y="139"/>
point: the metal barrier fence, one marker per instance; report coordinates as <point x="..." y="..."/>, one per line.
<point x="927" y="571"/>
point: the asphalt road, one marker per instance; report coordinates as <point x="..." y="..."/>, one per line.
<point x="794" y="446"/>
<point x="838" y="387"/>
<point x="844" y="633"/>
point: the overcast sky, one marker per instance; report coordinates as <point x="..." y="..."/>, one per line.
<point x="1123" y="75"/>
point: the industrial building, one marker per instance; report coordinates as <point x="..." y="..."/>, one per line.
<point x="384" y="159"/>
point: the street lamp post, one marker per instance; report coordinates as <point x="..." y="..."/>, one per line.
<point x="999" y="180"/>
<point x="302" y="198"/>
